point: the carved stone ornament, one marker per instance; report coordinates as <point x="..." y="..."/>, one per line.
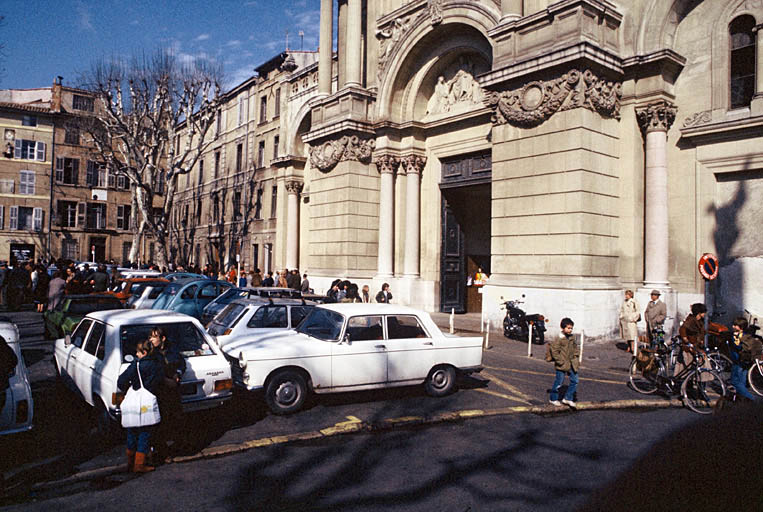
<point x="461" y="92"/>
<point x="435" y="11"/>
<point x="325" y="156"/>
<point x="698" y="118"/>
<point x="537" y="101"/>
<point x="387" y="164"/>
<point x="657" y="116"/>
<point x="414" y="164"/>
<point x="389" y="39"/>
<point x="294" y="187"/>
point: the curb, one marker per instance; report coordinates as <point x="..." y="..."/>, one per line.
<point x="353" y="426"/>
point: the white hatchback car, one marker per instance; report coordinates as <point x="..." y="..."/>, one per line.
<point x="244" y="318"/>
<point x="101" y="346"/>
<point x="17" y="414"/>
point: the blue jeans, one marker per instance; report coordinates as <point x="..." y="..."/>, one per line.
<point x="139" y="439"/>
<point x="739" y="381"/>
<point x="570" y="394"/>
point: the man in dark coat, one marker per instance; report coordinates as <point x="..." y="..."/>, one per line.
<point x="19" y="282"/>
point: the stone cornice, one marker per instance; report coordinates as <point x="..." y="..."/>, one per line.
<point x="287" y="160"/>
<point x="657" y="116"/>
<point x="536" y="101"/>
<point x="707" y="133"/>
<point x="663" y="61"/>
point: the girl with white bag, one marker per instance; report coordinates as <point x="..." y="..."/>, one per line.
<point x="140" y="409"/>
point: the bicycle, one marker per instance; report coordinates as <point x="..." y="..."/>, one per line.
<point x="755" y="377"/>
<point x="700" y="388"/>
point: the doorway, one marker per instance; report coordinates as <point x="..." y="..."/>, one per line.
<point x="98" y="246"/>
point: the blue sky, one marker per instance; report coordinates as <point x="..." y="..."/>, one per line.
<point x="47" y="38"/>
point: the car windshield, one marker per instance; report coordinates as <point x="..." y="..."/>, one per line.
<point x="323" y="324"/>
<point x="230" y="295"/>
<point x="225" y="319"/>
<point x="167" y="294"/>
<point x="82" y="307"/>
<point x="191" y="341"/>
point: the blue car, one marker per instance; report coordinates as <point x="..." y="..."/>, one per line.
<point x="175" y="276"/>
<point x="190" y="296"/>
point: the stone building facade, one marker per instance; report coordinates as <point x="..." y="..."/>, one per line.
<point x="571" y="149"/>
<point x="55" y="200"/>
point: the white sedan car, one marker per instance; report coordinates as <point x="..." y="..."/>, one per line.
<point x="101" y="346"/>
<point x="347" y="347"/>
<point x="244" y="318"/>
<point x="17" y="414"/>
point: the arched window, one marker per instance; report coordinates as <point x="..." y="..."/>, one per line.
<point x="742" y="59"/>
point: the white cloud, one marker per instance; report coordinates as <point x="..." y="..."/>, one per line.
<point x="202" y="37"/>
<point x="234" y="43"/>
<point x="83" y="17"/>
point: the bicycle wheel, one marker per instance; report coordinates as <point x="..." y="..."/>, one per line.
<point x="643" y="382"/>
<point x="755" y="378"/>
<point x="721" y="364"/>
<point x="701" y="390"/>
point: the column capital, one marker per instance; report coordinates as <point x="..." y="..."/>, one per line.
<point x="657" y="116"/>
<point x="294" y="186"/>
<point x="387" y="164"/>
<point x="414" y="164"/>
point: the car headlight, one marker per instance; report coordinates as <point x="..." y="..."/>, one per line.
<point x="242" y="360"/>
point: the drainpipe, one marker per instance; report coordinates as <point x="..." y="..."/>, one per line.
<point x="50" y="207"/>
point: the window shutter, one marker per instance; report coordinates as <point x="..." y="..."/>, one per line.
<point x="17" y="150"/>
<point x="80" y="215"/>
<point x="120" y="216"/>
<point x="102" y="218"/>
<point x="112" y="179"/>
<point x="40" y="151"/>
<point x="14" y="217"/>
<point x="2" y="217"/>
<point x="59" y="169"/>
<point x="75" y="171"/>
<point x="90" y="178"/>
<point x="37" y="219"/>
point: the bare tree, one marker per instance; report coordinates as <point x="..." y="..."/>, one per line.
<point x="152" y="126"/>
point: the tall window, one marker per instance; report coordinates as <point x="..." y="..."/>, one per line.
<point x="263" y="109"/>
<point x="96" y="175"/>
<point x="67" y="214"/>
<point x="7" y="186"/>
<point x="29" y="150"/>
<point x="261" y="154"/>
<point x="218" y="122"/>
<point x="96" y="216"/>
<point x="239" y="156"/>
<point x="258" y="204"/>
<point x="72" y="135"/>
<point x="217" y="164"/>
<point x="243" y="107"/>
<point x="26" y="183"/>
<point x="276" y="141"/>
<point x="273" y="201"/>
<point x="67" y="170"/>
<point x="23" y="218"/>
<point x="123" y="216"/>
<point x="742" y="72"/>
<point x="201" y="172"/>
<point x="2" y="216"/>
<point x="80" y="102"/>
<point x="277" y="106"/>
<point x="236" y="204"/>
<point x="70" y="249"/>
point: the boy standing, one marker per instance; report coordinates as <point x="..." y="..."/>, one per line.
<point x="564" y="354"/>
<point x="745" y="348"/>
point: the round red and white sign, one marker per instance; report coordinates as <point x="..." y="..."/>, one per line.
<point x="708" y="266"/>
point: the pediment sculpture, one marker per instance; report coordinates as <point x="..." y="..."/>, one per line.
<point x="462" y="92"/>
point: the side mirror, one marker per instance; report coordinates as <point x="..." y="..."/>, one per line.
<point x="346" y="339"/>
<point x="129" y="358"/>
<point x="68" y="340"/>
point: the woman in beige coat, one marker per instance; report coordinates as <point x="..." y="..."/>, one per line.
<point x="629" y="316"/>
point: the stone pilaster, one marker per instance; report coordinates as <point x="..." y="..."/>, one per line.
<point x="293" y="188"/>
<point x="387" y="166"/>
<point x="413" y="165"/>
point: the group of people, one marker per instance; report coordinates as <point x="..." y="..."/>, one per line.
<point x="630" y="314"/>
<point x="158" y="367"/>
<point x="254" y="279"/>
<point x="347" y="291"/>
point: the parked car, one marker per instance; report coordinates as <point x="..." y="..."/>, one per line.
<point x="91" y="359"/>
<point x="147" y="297"/>
<point x="126" y="273"/>
<point x="18" y="412"/>
<point x="126" y="288"/>
<point x="225" y="298"/>
<point x="174" y="276"/>
<point x="190" y="296"/>
<point x="244" y="318"/>
<point x="72" y="309"/>
<point x="346" y="347"/>
<point x="274" y="291"/>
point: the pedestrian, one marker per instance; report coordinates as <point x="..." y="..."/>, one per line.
<point x="18" y="284"/>
<point x="146" y="370"/>
<point x="3" y="282"/>
<point x="564" y="353"/>
<point x="744" y="350"/>
<point x="41" y="289"/>
<point x="56" y="290"/>
<point x="169" y="392"/>
<point x="655" y="315"/>
<point x="231" y="277"/>
<point x="282" y="283"/>
<point x="629" y="316"/>
<point x="692" y="333"/>
<point x="268" y="281"/>
<point x="305" y="285"/>
<point x="256" y="278"/>
<point x="364" y="294"/>
<point x="99" y="279"/>
<point x="293" y="279"/>
<point x="384" y="295"/>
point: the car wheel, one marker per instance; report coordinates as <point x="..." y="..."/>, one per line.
<point x="285" y="392"/>
<point x="107" y="428"/>
<point x="441" y="381"/>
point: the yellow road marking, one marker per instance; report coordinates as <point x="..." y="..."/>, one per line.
<point x="501" y="395"/>
<point x="529" y="372"/>
<point x="350" y="425"/>
<point x="505" y="385"/>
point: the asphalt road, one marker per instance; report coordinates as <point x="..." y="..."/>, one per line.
<point x="520" y="462"/>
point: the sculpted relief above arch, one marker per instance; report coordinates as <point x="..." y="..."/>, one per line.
<point x="459" y="93"/>
<point x="536" y="101"/>
<point x="325" y="156"/>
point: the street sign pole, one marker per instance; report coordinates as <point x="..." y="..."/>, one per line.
<point x="707" y="315"/>
<point x="708" y="268"/>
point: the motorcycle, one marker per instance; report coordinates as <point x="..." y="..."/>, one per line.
<point x="517" y="324"/>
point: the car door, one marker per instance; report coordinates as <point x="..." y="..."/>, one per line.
<point x="207" y="293"/>
<point x="360" y="358"/>
<point x="297" y="314"/>
<point x="71" y="365"/>
<point x="203" y="366"/>
<point x="186" y="302"/>
<point x="89" y="372"/>
<point x="410" y="349"/>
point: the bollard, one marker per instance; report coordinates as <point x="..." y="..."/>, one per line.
<point x="530" y="341"/>
<point x="582" y="340"/>
<point x="482" y="322"/>
<point x="450" y="321"/>
<point x="487" y="335"/>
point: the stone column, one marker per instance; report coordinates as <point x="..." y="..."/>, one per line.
<point x="511" y="9"/>
<point x="655" y="120"/>
<point x="387" y="165"/>
<point x="413" y="165"/>
<point x="325" y="46"/>
<point x="757" y="100"/>
<point x="354" y="24"/>
<point x="293" y="188"/>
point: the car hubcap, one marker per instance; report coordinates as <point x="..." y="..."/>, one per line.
<point x="440" y="379"/>
<point x="286" y="393"/>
